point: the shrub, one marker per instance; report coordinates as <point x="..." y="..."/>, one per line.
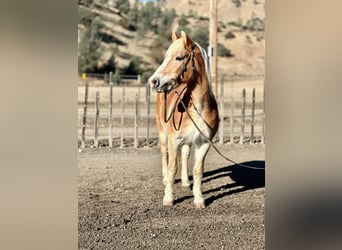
<point x="204" y="18"/>
<point x="201" y="35"/>
<point x="116" y="76"/>
<point x="237" y="23"/>
<point x="85" y="2"/>
<point x="158" y="48"/>
<point x="255" y="24"/>
<point x="109" y="66"/>
<point x="182" y="22"/>
<point x="85" y="16"/>
<point x="122" y="5"/>
<point x="89" y="49"/>
<point x="237" y="3"/>
<point x="133" y="67"/>
<point x="146" y="75"/>
<point x="223" y="51"/>
<point x="229" y="35"/>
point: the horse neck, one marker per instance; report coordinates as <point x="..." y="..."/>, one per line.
<point x="201" y="87"/>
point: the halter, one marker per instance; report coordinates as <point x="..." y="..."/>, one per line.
<point x="178" y="78"/>
<point x="185" y="65"/>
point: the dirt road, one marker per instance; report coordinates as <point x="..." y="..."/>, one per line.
<point x="120" y="202"/>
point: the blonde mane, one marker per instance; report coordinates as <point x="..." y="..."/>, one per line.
<point x="207" y="67"/>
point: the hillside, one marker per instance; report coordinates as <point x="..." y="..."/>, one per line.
<point x="240" y="30"/>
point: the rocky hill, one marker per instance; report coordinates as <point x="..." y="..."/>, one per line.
<point x="240" y="32"/>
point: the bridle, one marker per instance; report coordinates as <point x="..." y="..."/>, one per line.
<point x="179" y="77"/>
<point x="185" y="65"/>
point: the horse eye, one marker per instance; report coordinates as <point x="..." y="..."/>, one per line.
<point x="179" y="58"/>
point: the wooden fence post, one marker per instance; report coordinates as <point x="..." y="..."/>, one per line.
<point x="148" y="93"/>
<point x="231" y="119"/>
<point x="252" y="123"/>
<point x="242" y="136"/>
<point x="222" y="111"/>
<point x="263" y="119"/>
<point x="97" y="112"/>
<point x="122" y="116"/>
<point x="136" y="121"/>
<point x="110" y="138"/>
<point x="84" y="122"/>
<point x="139" y="92"/>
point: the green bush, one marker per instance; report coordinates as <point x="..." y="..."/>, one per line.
<point x="89" y="49"/>
<point x="229" y="35"/>
<point x="223" y="51"/>
<point x="116" y="76"/>
<point x="158" y="48"/>
<point x="186" y="29"/>
<point x="183" y="21"/>
<point x="204" y="18"/>
<point x="146" y="75"/>
<point x="85" y="16"/>
<point x="133" y="67"/>
<point x="237" y="23"/>
<point x="122" y="5"/>
<point x="255" y="24"/>
<point x="87" y="3"/>
<point x="201" y="35"/>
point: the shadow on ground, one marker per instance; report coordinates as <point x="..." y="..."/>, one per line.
<point x="243" y="179"/>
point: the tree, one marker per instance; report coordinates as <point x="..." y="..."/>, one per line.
<point x="165" y="23"/>
<point x="116" y="76"/>
<point x="122" y="5"/>
<point x="158" y="48"/>
<point x="109" y="66"/>
<point x="85" y="16"/>
<point x="89" y="50"/>
<point x="201" y="35"/>
<point x="133" y="67"/>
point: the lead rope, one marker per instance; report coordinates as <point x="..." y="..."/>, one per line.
<point x="210" y="142"/>
<point x="166" y="120"/>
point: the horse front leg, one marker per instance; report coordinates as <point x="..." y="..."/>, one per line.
<point x="200" y="154"/>
<point x="171" y="172"/>
<point x="185" y="158"/>
<point x="164" y="154"/>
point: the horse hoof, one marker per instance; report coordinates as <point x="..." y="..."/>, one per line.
<point x="186" y="184"/>
<point x="168" y="203"/>
<point x="199" y="205"/>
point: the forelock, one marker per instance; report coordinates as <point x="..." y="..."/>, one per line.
<point x="175" y="47"/>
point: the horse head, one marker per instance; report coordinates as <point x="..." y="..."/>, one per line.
<point x="177" y="67"/>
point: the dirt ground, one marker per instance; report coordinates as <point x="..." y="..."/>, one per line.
<point x="120" y="201"/>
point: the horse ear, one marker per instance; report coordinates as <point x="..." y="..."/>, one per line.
<point x="186" y="40"/>
<point x="174" y="37"/>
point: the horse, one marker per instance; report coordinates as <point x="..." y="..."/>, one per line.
<point x="184" y="97"/>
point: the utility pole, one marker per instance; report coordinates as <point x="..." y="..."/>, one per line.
<point x="213" y="44"/>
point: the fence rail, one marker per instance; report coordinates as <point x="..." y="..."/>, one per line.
<point x="121" y="116"/>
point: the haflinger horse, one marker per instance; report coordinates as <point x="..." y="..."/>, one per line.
<point x="184" y="97"/>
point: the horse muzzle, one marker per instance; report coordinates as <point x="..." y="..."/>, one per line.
<point x="162" y="87"/>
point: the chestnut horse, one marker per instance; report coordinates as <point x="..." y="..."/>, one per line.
<point x="183" y="80"/>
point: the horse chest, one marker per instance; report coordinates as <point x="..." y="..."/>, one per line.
<point x="190" y="135"/>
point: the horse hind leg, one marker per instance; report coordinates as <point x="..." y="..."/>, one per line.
<point x="185" y="153"/>
<point x="200" y="154"/>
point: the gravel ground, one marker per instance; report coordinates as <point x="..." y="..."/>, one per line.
<point x="120" y="202"/>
